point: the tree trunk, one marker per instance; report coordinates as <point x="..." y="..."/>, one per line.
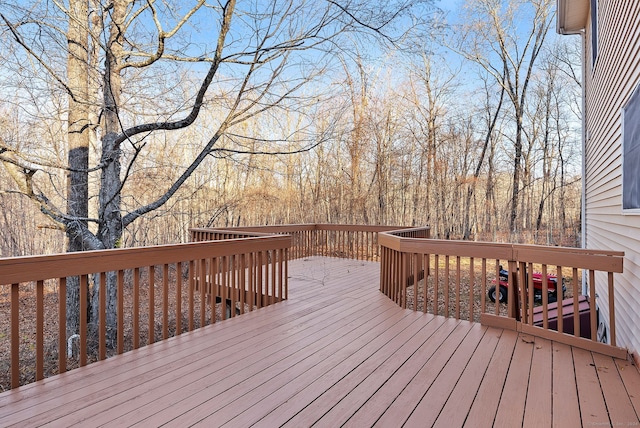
<point x="110" y="229"/>
<point x="517" y="158"/>
<point x="78" y="139"/>
<point x="492" y="118"/>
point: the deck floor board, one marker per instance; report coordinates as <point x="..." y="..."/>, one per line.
<point x="471" y="378"/>
<point x="435" y="398"/>
<point x="487" y="398"/>
<point x="377" y="404"/>
<point x="226" y="369"/>
<point x="407" y="401"/>
<point x="615" y="395"/>
<point x="337" y="352"/>
<point x="565" y="392"/>
<point x="593" y="409"/>
<point x="538" y="409"/>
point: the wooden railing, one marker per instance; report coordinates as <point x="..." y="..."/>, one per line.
<point x="453" y="278"/>
<point x="234" y="270"/>
<point x="161" y="291"/>
<point x="359" y="242"/>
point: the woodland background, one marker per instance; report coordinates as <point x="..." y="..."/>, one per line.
<point x="435" y="128"/>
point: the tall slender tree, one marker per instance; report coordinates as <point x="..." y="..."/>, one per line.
<point x="505" y="37"/>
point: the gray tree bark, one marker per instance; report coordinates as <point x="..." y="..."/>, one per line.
<point x="78" y="139"/>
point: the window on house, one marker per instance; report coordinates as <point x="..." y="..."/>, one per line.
<point x="631" y="154"/>
<point x="594" y="32"/>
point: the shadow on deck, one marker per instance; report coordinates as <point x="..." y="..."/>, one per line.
<point x="338" y="352"/>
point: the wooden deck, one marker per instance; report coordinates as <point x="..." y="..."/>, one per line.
<point x="338" y="352"/>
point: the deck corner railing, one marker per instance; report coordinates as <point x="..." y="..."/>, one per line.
<point x="359" y="242"/>
<point x="457" y="278"/>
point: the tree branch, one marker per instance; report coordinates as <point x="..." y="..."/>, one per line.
<point x="228" y="10"/>
<point x="37" y="57"/>
<point x="162" y="35"/>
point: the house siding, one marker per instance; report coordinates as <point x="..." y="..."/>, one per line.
<point x="608" y="86"/>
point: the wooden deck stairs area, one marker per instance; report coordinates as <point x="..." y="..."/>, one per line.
<point x="338" y="352"/>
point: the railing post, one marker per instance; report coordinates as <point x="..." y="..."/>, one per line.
<point x="152" y="305"/>
<point x="62" y="325"/>
<point x="612" y="309"/>
<point x="15" y="335"/>
<point x="120" y="302"/>
<point x="102" y="323"/>
<point x="286" y="273"/>
<point x="559" y="298"/>
<point x="447" y="269"/>
<point x="192" y="285"/>
<point x="545" y="295"/>
<point x="261" y="279"/>
<point x="40" y="330"/>
<point x="178" y="298"/>
<point x="530" y="297"/>
<point x="458" y="298"/>
<point x="472" y="281"/>
<point x="84" y="291"/>
<point x="436" y="281"/>
<point x="165" y="301"/>
<point x="497" y="273"/>
<point x="512" y="294"/>
<point x="525" y="289"/>
<point x="592" y="305"/>
<point x="136" y="307"/>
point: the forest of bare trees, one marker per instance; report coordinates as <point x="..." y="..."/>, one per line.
<point x="470" y="126"/>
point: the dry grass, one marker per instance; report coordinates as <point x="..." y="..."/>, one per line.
<point x="447" y="301"/>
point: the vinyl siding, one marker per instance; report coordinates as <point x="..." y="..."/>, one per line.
<point x="608" y="87"/>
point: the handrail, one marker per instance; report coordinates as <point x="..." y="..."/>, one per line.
<point x="358" y="242"/>
<point x="407" y="260"/>
<point x="413" y="232"/>
<point x="286" y="228"/>
<point x="36" y="268"/>
<point x="230" y="276"/>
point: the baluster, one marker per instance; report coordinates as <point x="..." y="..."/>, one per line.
<point x="136" y="308"/>
<point x="84" y="291"/>
<point x="62" y="324"/>
<point x="152" y="305"/>
<point x="179" y="267"/>
<point x="15" y="335"/>
<point x="39" y="330"/>
<point x="165" y="301"/>
<point x="120" y="298"/>
<point x="559" y="297"/>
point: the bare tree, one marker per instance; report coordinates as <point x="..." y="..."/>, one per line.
<point x="430" y="97"/>
<point x="253" y="60"/>
<point x="505" y="38"/>
<point x="550" y="116"/>
<point x="491" y="115"/>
